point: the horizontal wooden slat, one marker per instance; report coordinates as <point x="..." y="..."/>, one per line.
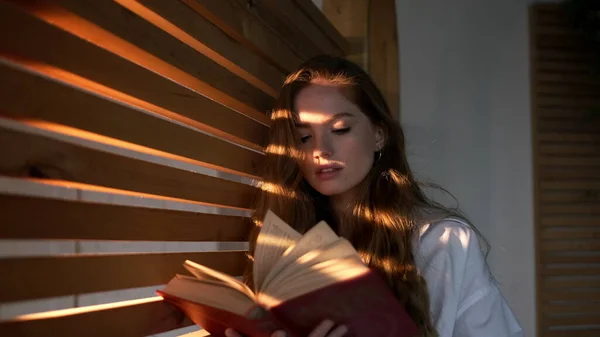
<point x="579" y="233"/>
<point x="43" y="153"/>
<point x="570" y="197"/>
<point x="588" y="91"/>
<point x="124" y="319"/>
<point x="589" y="149"/>
<point x="565" y="54"/>
<point x="65" y="98"/>
<point x="589" y="270"/>
<point x="579" y="209"/>
<point x="233" y="18"/>
<point x="62" y="219"/>
<point x="194" y="30"/>
<point x="78" y="274"/>
<point x="567" y="113"/>
<point x="569" y="161"/>
<point x="94" y="63"/>
<point x="114" y="29"/>
<point x="581" y="319"/>
<point x="570" y="308"/>
<point x="561" y="258"/>
<point x="580" y="245"/>
<point x="591" y="221"/>
<point x="568" y="101"/>
<point x="583" y="77"/>
<point x="574" y="173"/>
<point x="585" y="332"/>
<point x="569" y="137"/>
<point x="592" y="125"/>
<point x="545" y="70"/>
<point x="567" y="184"/>
<point x="572" y="282"/>
<point x="590" y="295"/>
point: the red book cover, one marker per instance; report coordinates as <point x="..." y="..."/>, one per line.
<point x="365" y="304"/>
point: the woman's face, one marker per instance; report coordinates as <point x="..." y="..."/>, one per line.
<point x="338" y="139"/>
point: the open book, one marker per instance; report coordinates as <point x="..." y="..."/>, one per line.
<point x="299" y="281"/>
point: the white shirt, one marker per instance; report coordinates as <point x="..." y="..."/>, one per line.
<point x="465" y="302"/>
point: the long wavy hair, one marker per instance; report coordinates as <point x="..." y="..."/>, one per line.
<point x="382" y="220"/>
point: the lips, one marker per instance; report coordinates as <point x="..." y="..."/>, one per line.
<point x="327" y="172"/>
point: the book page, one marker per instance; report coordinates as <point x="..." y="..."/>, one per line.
<point x="214" y="294"/>
<point x="317" y="237"/>
<point x="316" y="277"/>
<point x="202" y="272"/>
<point x="339" y="249"/>
<point x="274" y="238"/>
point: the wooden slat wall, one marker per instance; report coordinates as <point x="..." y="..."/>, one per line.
<point x="139" y="121"/>
<point x="565" y="92"/>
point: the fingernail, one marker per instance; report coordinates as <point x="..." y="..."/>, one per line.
<point x="230" y="333"/>
<point x="279" y="333"/>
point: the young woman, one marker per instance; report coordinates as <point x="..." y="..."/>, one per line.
<point x="336" y="154"/>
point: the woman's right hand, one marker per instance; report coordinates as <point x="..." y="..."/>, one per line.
<point x="324" y="329"/>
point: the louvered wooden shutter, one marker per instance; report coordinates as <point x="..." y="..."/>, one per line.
<point x="566" y="119"/>
<point x="137" y="121"/>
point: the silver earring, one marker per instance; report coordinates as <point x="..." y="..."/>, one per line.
<point x="378" y="156"/>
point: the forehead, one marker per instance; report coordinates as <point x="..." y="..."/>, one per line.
<point x="320" y="102"/>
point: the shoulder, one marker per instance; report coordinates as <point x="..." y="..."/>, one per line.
<point x="449" y="246"/>
<point x="451" y="235"/>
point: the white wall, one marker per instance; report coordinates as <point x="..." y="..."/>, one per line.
<point x="466" y="112"/>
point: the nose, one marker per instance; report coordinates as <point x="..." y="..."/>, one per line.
<point x="323" y="147"/>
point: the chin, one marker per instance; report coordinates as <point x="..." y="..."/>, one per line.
<point x="331" y="188"/>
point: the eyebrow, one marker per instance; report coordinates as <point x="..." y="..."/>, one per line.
<point x="329" y="120"/>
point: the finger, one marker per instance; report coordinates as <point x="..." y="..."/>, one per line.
<point x="322" y="329"/>
<point x="338" y="331"/>
<point x="279" y="333"/>
<point x="231" y="333"/>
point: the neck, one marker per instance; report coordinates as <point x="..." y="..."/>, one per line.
<point x="339" y="204"/>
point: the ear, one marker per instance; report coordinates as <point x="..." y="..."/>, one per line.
<point x="379" y="138"/>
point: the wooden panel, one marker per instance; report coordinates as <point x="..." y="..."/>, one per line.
<point x="86" y="30"/>
<point x="62" y="98"/>
<point x="234" y="19"/>
<point x="194" y="30"/>
<point x="30" y="155"/>
<point x="303" y="26"/>
<point x="383" y="51"/>
<point x="113" y="28"/>
<point x="351" y="18"/>
<point x="320" y="20"/>
<point x="591" y="295"/>
<point x="125" y="319"/>
<point x="61" y="219"/>
<point x="78" y="274"/>
<point x="171" y="91"/>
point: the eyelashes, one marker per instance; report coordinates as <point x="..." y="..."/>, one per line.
<point x="341" y="131"/>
